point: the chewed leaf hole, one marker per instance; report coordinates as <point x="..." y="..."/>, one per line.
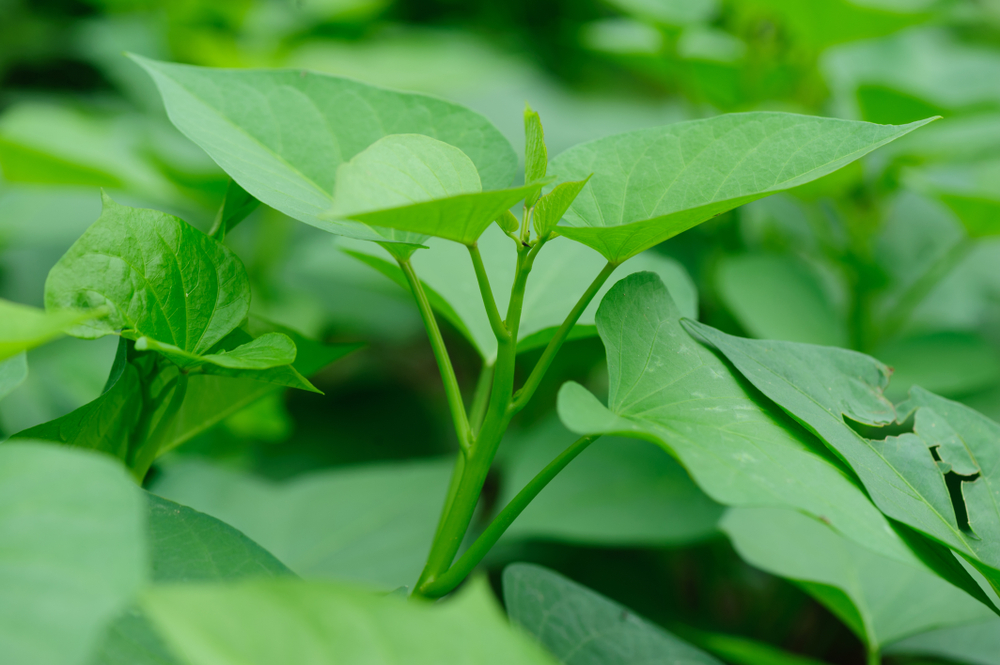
<point x="954" y="482"/>
<point x="876" y="433"/>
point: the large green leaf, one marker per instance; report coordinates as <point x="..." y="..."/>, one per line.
<point x="282" y="135"/>
<point x="619" y="491"/>
<point x="581" y="627"/>
<point x="974" y="643"/>
<point x="23" y="327"/>
<point x="886" y="599"/>
<point x="156" y="275"/>
<point x="275" y="622"/>
<point x="372" y="524"/>
<point x="823" y="387"/>
<point x="73" y="554"/>
<point x="561" y="273"/>
<point x="652" y="184"/>
<point x="669" y="389"/>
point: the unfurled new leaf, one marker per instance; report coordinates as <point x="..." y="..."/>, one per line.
<point x="650" y="185"/>
<point x="550" y="208"/>
<point x="536" y="157"/>
<point x="508" y="222"/>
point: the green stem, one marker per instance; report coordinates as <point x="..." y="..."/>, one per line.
<point x="444" y="583"/>
<point x="874" y="657"/>
<point x="524" y="395"/>
<point x="451" y="389"/>
<point x="481" y="398"/>
<point x="499" y="329"/>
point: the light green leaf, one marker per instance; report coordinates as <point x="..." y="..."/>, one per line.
<point x="508" y="222"/>
<point x="581" y="627"/>
<point x="23" y="327"/>
<point x="372" y="524"/>
<point x="73" y="555"/>
<point x="974" y="643"/>
<point x="821" y="387"/>
<point x="536" y="156"/>
<point x="619" y="492"/>
<point x="264" y="352"/>
<point x="550" y="208"/>
<point x="283" y="134"/>
<point x="669" y="12"/>
<point x="889" y="599"/>
<point x="276" y="622"/>
<point x="666" y="387"/>
<point x="157" y="276"/>
<point x="561" y="273"/>
<point x="652" y="184"/>
<point x="969" y="190"/>
<point x="779" y="297"/>
<point x="744" y="651"/>
<point x="13" y="372"/>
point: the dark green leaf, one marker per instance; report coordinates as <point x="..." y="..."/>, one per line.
<point x="73" y="555"/>
<point x="157" y="276"/>
<point x="650" y="185"/>
<point x="581" y="627"/>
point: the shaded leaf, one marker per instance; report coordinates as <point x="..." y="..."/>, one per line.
<point x="652" y="184"/>
<point x="581" y="627"/>
<point x="283" y="134"/>
<point x="274" y="622"/>
<point x="73" y="554"/>
<point x="744" y="651"/>
<point x="666" y="387"/>
<point x="236" y="206"/>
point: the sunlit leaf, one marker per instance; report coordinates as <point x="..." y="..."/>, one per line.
<point x="650" y="185"/>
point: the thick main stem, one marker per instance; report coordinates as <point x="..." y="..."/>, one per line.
<point x="451" y="389"/>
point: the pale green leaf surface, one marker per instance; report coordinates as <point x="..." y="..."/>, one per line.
<point x="156" y="275"/>
<point x="561" y="273"/>
<point x="652" y="184"/>
<point x="370" y="524"/>
<point x="283" y="134"/>
<point x="23" y="327"/>
<point x="618" y="492"/>
<point x="666" y="387"/>
<point x="974" y="643"/>
<point x="73" y="555"/>
<point x="550" y="208"/>
<point x="581" y="627"/>
<point x="778" y="297"/>
<point x="508" y="222"/>
<point x="820" y="387"/>
<point x="13" y="372"/>
<point x="891" y="598"/>
<point x="276" y="622"/>
<point x="950" y="363"/>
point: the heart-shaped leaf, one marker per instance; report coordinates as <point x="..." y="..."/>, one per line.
<point x="282" y="135"/>
<point x="652" y="184"/>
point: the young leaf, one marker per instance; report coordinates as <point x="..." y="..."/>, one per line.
<point x="23" y="327"/>
<point x="283" y="134"/>
<point x="73" y="555"/>
<point x="888" y="599"/>
<point x="560" y="274"/>
<point x="275" y="622"/>
<point x="652" y="184"/>
<point x="536" y="157"/>
<point x="619" y="492"/>
<point x="581" y="627"/>
<point x="550" y="208"/>
<point x="668" y="388"/>
<point x="385" y="515"/>
<point x="508" y="222"/>
<point x="13" y="372"/>
<point x="156" y="275"/>
<point x="267" y="351"/>
<point x="416" y="186"/>
<point x="821" y="387"/>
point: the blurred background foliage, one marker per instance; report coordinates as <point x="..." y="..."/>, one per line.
<point x="895" y="256"/>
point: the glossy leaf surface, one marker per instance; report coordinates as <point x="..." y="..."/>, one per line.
<point x="652" y="184"/>
<point x="581" y="627"/>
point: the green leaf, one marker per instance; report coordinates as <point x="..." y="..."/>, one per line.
<point x="581" y="627"/>
<point x="158" y="277"/>
<point x="618" y="492"/>
<point x="384" y="515"/>
<point x="975" y="643"/>
<point x="561" y="272"/>
<point x="890" y="599"/>
<point x="536" y="156"/>
<point x="950" y="363"/>
<point x="779" y="297"/>
<point x="666" y="387"/>
<point x="652" y="184"/>
<point x="743" y="651"/>
<point x="283" y="134"/>
<point x="508" y="222"/>
<point x="822" y="387"/>
<point x="13" y="372"/>
<point x="236" y="206"/>
<point x="23" y="327"/>
<point x="264" y="352"/>
<point x="550" y="208"/>
<point x="73" y="555"/>
<point x="275" y="622"/>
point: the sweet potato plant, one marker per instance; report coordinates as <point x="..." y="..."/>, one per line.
<point x="885" y="511"/>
